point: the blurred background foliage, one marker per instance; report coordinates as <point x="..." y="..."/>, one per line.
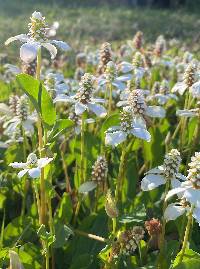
<point x="91" y="22"/>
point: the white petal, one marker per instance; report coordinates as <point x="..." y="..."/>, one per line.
<point x="18" y="165"/>
<point x="195" y="89"/>
<point x="80" y="108"/>
<point x="99" y="110"/>
<point x="139" y="72"/>
<point x="125" y="77"/>
<point x="179" y="87"/>
<point x="44" y="161"/>
<point x="139" y="122"/>
<point x="28" y="52"/>
<point x="196" y="214"/>
<point x="22" y="38"/>
<point x="186" y="113"/>
<point x="61" y="45"/>
<point x="125" y="67"/>
<point x="141" y="133"/>
<point x="150" y="182"/>
<point x="181" y="177"/>
<point x="192" y="196"/>
<point x="22" y="173"/>
<point x="155" y="111"/>
<point x="173" y="211"/>
<point x="63" y="98"/>
<point x="172" y="192"/>
<point x="51" y="48"/>
<point x="28" y="126"/>
<point x="119" y="85"/>
<point x="115" y="138"/>
<point x="34" y="172"/>
<point x="155" y="170"/>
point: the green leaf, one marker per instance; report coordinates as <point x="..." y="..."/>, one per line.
<point x="63" y="232"/>
<point x="59" y="127"/>
<point x="39" y="96"/>
<point x="113" y="120"/>
<point x="191" y="260"/>
<point x="65" y="211"/>
<point x="87" y="187"/>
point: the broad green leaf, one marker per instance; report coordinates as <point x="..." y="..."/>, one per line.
<point x="65" y="210"/>
<point x="63" y="232"/>
<point x="113" y="120"/>
<point x="39" y="96"/>
<point x="191" y="260"/>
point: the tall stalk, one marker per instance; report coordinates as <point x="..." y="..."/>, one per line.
<point x="40" y="137"/>
<point x="161" y="256"/>
<point x="110" y="99"/>
<point x="82" y="166"/>
<point x="186" y="236"/>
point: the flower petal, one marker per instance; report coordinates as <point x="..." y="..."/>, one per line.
<point x="141" y="133"/>
<point x="192" y="196"/>
<point x="179" y="87"/>
<point x="61" y="45"/>
<point x="18" y="165"/>
<point x="115" y="138"/>
<point x="150" y="182"/>
<point x="196" y="214"/>
<point x="22" y="173"/>
<point x="51" y="48"/>
<point x="80" y="108"/>
<point x="186" y="113"/>
<point x="22" y="38"/>
<point x="44" y="161"/>
<point x="175" y="191"/>
<point x="28" y="52"/>
<point x="99" y="110"/>
<point x="173" y="211"/>
<point x="155" y="111"/>
<point x="34" y="172"/>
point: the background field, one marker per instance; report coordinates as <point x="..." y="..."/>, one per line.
<point x="84" y="21"/>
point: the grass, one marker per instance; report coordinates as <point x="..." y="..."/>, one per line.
<point x="83" y="25"/>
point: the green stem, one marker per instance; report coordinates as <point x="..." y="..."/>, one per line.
<point x="25" y="180"/>
<point x="161" y="256"/>
<point x="82" y="168"/>
<point x="47" y="258"/>
<point x="91" y="236"/>
<point x="114" y="222"/>
<point x="187" y="233"/>
<point x="119" y="183"/>
<point x="110" y="99"/>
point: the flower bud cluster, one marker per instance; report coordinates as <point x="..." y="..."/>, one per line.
<point x="110" y="206"/>
<point x="138" y="60"/>
<point x="189" y="75"/>
<point x="32" y="159"/>
<point x="22" y="108"/>
<point x="160" y="46"/>
<point x="13" y="101"/>
<point x="105" y="57"/>
<point x="29" y="68"/>
<point x="126" y="119"/>
<point x="86" y="89"/>
<point x="138" y="40"/>
<point x="194" y="170"/>
<point x="100" y="170"/>
<point x="111" y="72"/>
<point x="156" y="87"/>
<point x="38" y="27"/>
<point x="164" y="87"/>
<point x="171" y="163"/>
<point x="137" y="102"/>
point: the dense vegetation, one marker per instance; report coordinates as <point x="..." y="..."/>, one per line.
<point x="99" y="143"/>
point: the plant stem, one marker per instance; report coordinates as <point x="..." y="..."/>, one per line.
<point x="47" y="259"/>
<point x="91" y="236"/>
<point x="162" y="236"/>
<point x="40" y="138"/>
<point x="82" y="168"/>
<point x="187" y="233"/>
<point x="25" y="181"/>
<point x="110" y="99"/>
<point x="118" y="194"/>
<point x="114" y="222"/>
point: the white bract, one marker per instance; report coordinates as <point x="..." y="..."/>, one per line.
<point x="37" y="38"/>
<point x="190" y="189"/>
<point x="168" y="171"/>
<point x="83" y="100"/>
<point x="175" y="210"/>
<point x="32" y="166"/>
<point x="129" y="126"/>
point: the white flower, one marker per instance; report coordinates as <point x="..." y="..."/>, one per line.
<point x="111" y="76"/>
<point x="129" y="126"/>
<point x="83" y="100"/>
<point x="32" y="166"/>
<point x="168" y="171"/>
<point x="195" y="90"/>
<point x="136" y="103"/>
<point x="175" y="210"/>
<point x="190" y="189"/>
<point x="37" y="38"/>
<point x="55" y="83"/>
